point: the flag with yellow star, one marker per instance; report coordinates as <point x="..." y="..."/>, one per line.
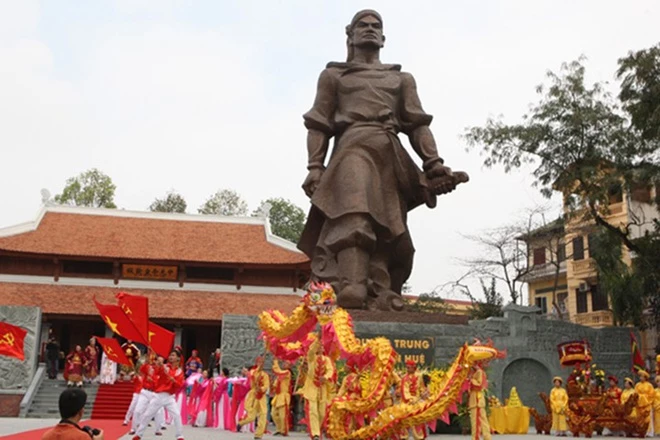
<point x="117" y="321"/>
<point x="161" y="340"/>
<point x="113" y="351"/>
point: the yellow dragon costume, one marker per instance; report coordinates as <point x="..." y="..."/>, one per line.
<point x="290" y="337"/>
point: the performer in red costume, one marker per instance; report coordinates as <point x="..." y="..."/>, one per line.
<point x="91" y="361"/>
<point x="73" y="372"/>
<point x="169" y="381"/>
<point x="137" y="388"/>
<point x="148" y="375"/>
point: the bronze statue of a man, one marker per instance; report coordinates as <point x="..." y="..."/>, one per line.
<point x="356" y="233"/>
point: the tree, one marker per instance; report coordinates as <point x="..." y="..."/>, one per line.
<point x="580" y="143"/>
<point x="640" y="90"/>
<point x="225" y="202"/>
<point x="501" y="258"/>
<point x="286" y="219"/>
<point x="491" y="306"/>
<point x="90" y="188"/>
<point x="623" y="286"/>
<point x="577" y="140"/>
<point x="173" y="202"/>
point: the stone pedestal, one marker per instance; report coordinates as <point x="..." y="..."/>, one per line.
<point x="529" y="339"/>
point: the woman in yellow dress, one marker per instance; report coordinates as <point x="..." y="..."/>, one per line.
<point x="646" y="393"/>
<point x="559" y="403"/>
<point x="656" y="406"/>
<point x="628" y="390"/>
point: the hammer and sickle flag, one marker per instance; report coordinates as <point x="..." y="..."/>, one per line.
<point x="117" y="321"/>
<point x="137" y="309"/>
<point x="113" y="350"/>
<point x="11" y="341"/>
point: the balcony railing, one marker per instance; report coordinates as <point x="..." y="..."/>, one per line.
<point x="601" y="318"/>
<point x="582" y="267"/>
<point x="544" y="271"/>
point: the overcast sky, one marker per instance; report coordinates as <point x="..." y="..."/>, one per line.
<point x="201" y="95"/>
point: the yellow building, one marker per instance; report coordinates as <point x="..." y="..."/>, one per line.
<point x="447" y="306"/>
<point x="563" y="281"/>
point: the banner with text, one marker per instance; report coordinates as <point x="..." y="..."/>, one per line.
<point x="419" y="349"/>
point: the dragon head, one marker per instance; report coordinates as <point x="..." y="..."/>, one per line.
<point x="480" y="352"/>
<point x="320" y="299"/>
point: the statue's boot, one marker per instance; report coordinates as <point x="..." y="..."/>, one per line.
<point x="384" y="297"/>
<point x="388" y="300"/>
<point x="353" y="265"/>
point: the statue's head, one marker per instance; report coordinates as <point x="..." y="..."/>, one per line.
<point x="365" y="30"/>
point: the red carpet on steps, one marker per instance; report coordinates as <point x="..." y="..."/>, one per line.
<point x="112" y="430"/>
<point x="112" y="401"/>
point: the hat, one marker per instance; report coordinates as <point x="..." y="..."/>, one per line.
<point x="411" y="363"/>
<point x="629" y="380"/>
<point x="613" y="378"/>
<point x="643" y="373"/>
<point x="557" y="378"/>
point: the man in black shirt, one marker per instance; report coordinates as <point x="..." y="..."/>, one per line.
<point x="52" y="357"/>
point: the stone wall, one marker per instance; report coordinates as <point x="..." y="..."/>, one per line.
<point x="530" y="340"/>
<point x="239" y="342"/>
<point x="16" y="374"/>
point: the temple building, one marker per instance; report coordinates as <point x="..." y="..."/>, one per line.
<point x="193" y="268"/>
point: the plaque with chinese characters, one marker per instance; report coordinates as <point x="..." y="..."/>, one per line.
<point x="141" y="271"/>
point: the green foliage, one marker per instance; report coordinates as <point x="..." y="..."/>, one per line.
<point x="624" y="287"/>
<point x="647" y="268"/>
<point x="91" y="188"/>
<point x="492" y="306"/>
<point x="286" y="219"/>
<point x="639" y="73"/>
<point x="581" y="143"/>
<point x="173" y="202"/>
<point x="226" y="202"/>
<point x="567" y="136"/>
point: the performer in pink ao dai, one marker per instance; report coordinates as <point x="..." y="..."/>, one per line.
<point x="201" y="412"/>
<point x="221" y="399"/>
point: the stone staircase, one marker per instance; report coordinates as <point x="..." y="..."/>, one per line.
<point x="45" y="402"/>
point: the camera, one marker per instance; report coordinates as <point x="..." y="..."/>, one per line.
<point x="91" y="431"/>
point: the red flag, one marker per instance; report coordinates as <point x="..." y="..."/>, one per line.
<point x="119" y="323"/>
<point x="160" y="339"/>
<point x="113" y="351"/>
<point x="11" y="341"/>
<point x="637" y="359"/>
<point x="137" y="309"/>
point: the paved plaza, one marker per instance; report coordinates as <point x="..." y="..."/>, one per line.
<point x="10" y="426"/>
